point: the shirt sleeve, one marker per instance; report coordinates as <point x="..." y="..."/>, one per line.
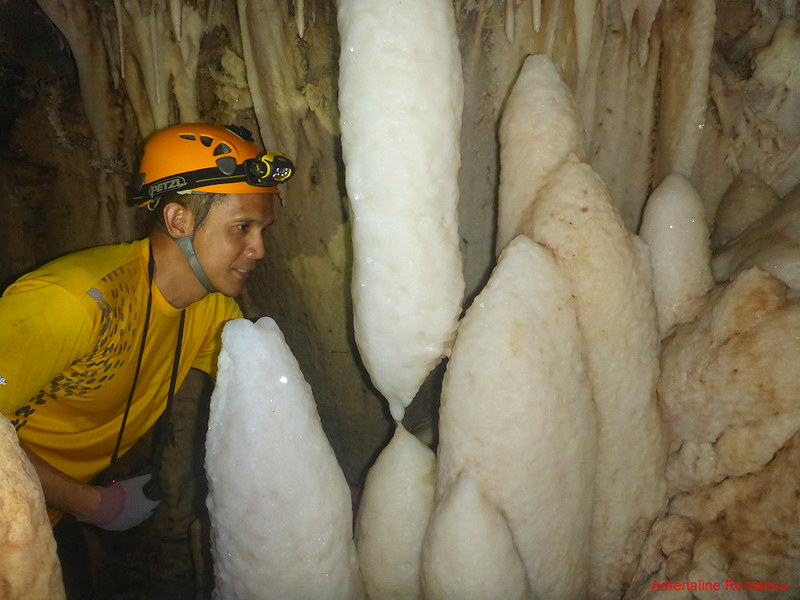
<point x="206" y="359"/>
<point x="42" y="330"/>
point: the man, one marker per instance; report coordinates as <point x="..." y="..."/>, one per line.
<point x="93" y="344"/>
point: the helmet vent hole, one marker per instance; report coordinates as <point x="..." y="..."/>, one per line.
<point x="188" y="136"/>
<point x="222" y="148"/>
<point x="226" y="164"/>
<point x="206" y="141"/>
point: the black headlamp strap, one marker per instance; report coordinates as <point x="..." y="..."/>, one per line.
<point x="187" y="181"/>
<point x="267" y="170"/>
<point x="164" y="420"/>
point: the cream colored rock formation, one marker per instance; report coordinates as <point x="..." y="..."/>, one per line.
<point x="29" y="567"/>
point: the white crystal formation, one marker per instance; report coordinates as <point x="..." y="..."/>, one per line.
<point x="281" y="515"/>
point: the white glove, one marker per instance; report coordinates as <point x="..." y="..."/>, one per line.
<point x="123" y="505"/>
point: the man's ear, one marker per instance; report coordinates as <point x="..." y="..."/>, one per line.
<point x="178" y="220"/>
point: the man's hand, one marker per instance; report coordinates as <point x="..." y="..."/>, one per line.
<point x="123" y="505"/>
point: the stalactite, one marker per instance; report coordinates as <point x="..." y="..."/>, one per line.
<point x="510" y="20"/>
<point x="110" y="35"/>
<point x="300" y="17"/>
<point x="210" y="13"/>
<point x="76" y="23"/>
<point x="154" y="56"/>
<point x="407" y="283"/>
<point x="175" y="14"/>
<point x="101" y="106"/>
<point x="585" y="11"/>
<point x="620" y="137"/>
<point x="167" y="65"/>
<point x="640" y="14"/>
<point x="688" y="31"/>
<point x="120" y="38"/>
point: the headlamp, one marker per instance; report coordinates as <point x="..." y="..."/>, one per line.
<point x="268" y="169"/>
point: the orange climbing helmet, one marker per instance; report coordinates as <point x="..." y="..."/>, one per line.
<point x="206" y="158"/>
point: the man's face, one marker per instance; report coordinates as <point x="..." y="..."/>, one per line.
<point x="228" y="242"/>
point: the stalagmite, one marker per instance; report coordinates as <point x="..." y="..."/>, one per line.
<point x="611" y="280"/>
<point x="517" y="418"/>
<point x="540" y="126"/>
<point x="773" y="243"/>
<point x="469" y="551"/>
<point x="559" y="201"/>
<point x="674" y="227"/>
<point x="400" y="100"/>
<point x="747" y="200"/>
<point x="280" y="507"/>
<point x="393" y="516"/>
<point x="29" y="567"/>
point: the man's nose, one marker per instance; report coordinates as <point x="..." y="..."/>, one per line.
<point x="255" y="249"/>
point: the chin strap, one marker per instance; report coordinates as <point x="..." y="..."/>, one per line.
<point x="187" y="247"/>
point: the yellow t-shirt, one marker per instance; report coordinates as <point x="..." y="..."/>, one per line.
<point x="70" y="334"/>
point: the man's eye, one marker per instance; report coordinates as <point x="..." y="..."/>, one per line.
<point x="243" y="227"/>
